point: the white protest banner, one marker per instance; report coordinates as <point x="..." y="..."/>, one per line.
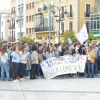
<point x="83" y="34"/>
<point x="63" y="65"/>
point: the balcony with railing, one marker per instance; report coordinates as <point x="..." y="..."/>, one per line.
<point x="41" y="29"/>
<point x="13" y="12"/>
<point x="11" y="26"/>
<point x="45" y="8"/>
<point x="87" y="14"/>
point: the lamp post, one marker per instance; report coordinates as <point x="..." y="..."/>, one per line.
<point x="12" y="19"/>
<point x="59" y="18"/>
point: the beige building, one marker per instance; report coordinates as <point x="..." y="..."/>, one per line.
<point x="11" y="25"/>
<point x="29" y="14"/>
<point x="37" y="17"/>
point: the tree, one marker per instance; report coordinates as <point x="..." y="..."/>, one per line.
<point x="28" y="40"/>
<point x="69" y="34"/>
<point x="91" y="37"/>
<point x="1" y="40"/>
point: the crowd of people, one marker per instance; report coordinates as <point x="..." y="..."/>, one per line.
<point x="20" y="61"/>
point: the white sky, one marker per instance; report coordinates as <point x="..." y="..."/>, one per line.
<point x="4" y="4"/>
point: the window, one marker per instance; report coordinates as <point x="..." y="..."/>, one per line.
<point x="27" y="6"/>
<point x="22" y="22"/>
<point x="2" y="23"/>
<point x="71" y="10"/>
<point x="70" y="25"/>
<point x="2" y="35"/>
<point x="87" y="26"/>
<point x="32" y="17"/>
<point x="29" y="18"/>
<point x="32" y="30"/>
<point x="26" y="18"/>
<point x="22" y="10"/>
<point x="62" y="14"/>
<point x="32" y="4"/>
<point x="62" y="26"/>
<point x="29" y="30"/>
<point x="87" y="10"/>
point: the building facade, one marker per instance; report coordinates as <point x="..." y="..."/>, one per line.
<point x="20" y="12"/>
<point x="78" y="13"/>
<point x="29" y="14"/>
<point x="12" y="23"/>
<point x="4" y="27"/>
<point x="95" y="20"/>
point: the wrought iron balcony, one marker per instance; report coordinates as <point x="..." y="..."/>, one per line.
<point x="45" y="8"/>
<point x="87" y="14"/>
<point x="11" y="26"/>
<point x="39" y="9"/>
<point x="38" y="29"/>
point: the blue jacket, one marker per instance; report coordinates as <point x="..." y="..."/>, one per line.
<point x="15" y="57"/>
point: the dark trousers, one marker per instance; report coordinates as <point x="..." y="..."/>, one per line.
<point x="14" y="70"/>
<point x="98" y="63"/>
<point x="10" y="68"/>
<point x="21" y="70"/>
<point x="33" y="70"/>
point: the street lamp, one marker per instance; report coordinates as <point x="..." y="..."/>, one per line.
<point x="12" y="19"/>
<point x="59" y="17"/>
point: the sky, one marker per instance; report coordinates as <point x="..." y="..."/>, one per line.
<point x="4" y="4"/>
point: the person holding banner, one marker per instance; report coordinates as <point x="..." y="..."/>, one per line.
<point x="90" y="62"/>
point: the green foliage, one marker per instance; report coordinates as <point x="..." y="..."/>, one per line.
<point x="28" y="40"/>
<point x="71" y="35"/>
<point x="91" y="37"/>
<point x="1" y="40"/>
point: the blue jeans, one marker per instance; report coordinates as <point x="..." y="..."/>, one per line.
<point x="27" y="73"/>
<point x="90" y="67"/>
<point x="5" y="68"/>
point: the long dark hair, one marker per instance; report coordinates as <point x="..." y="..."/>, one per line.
<point x="34" y="48"/>
<point x="22" y="49"/>
<point x="4" y="49"/>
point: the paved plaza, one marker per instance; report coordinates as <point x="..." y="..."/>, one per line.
<point x="53" y="89"/>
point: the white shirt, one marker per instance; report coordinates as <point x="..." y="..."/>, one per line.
<point x="23" y="57"/>
<point x="4" y="58"/>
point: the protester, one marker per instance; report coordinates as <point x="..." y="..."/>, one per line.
<point x="34" y="62"/>
<point x="4" y="59"/>
<point x="90" y="62"/>
<point x="67" y="50"/>
<point x="25" y="60"/>
<point x="15" y="62"/>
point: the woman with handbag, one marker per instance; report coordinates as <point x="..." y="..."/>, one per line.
<point x="34" y="61"/>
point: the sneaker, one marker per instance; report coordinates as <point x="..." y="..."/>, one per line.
<point x="22" y="79"/>
<point x="14" y="81"/>
<point x="27" y="77"/>
<point x="17" y="80"/>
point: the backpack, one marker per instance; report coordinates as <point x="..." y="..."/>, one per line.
<point x="29" y="58"/>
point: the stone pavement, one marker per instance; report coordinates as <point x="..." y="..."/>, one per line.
<point x="53" y="89"/>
